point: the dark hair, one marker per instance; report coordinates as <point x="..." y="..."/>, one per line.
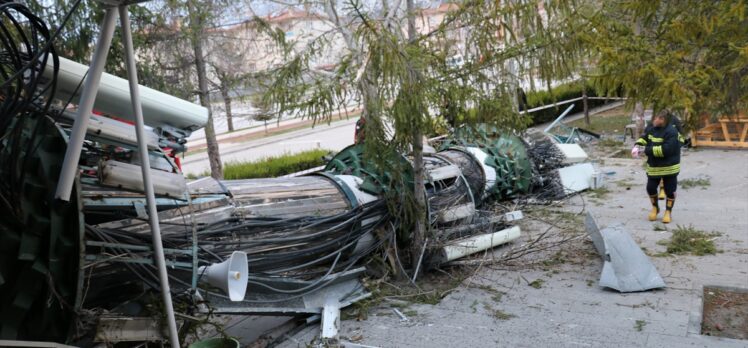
<point x="664" y="113"/>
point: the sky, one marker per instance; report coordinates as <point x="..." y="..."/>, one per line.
<point x="265" y="7"/>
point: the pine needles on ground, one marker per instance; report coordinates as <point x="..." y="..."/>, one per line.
<point x="689" y="240"/>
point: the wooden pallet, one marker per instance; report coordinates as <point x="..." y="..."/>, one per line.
<point x="730" y="132"/>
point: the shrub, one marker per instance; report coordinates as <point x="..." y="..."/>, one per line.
<point x="275" y="166"/>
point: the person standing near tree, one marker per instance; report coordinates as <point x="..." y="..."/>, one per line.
<point x="660" y="143"/>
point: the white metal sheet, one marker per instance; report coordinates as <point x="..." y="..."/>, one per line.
<point x="573" y="153"/>
<point x="577" y="177"/>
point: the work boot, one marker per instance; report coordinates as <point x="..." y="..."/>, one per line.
<point x="655" y="208"/>
<point x="668" y="210"/>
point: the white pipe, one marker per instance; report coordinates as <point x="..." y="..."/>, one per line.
<point x="85" y="106"/>
<point x="470" y="245"/>
<point x="158" y="248"/>
<point x="113" y="98"/>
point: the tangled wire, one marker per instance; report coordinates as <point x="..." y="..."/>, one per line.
<point x="309" y="248"/>
<point x="26" y="92"/>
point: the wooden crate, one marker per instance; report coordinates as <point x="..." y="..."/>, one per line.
<point x="729" y="132"/>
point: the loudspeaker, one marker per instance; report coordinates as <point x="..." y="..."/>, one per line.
<point x="230" y="275"/>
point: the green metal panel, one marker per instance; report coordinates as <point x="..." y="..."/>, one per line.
<point x="507" y="155"/>
<point x="39" y="239"/>
<point x="350" y="161"/>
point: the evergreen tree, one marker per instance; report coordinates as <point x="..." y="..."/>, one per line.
<point x="686" y="55"/>
<point x="401" y="75"/>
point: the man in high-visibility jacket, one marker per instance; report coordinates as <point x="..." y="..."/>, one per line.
<point x="661" y="144"/>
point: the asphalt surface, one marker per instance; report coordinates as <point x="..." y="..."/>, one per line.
<point x="335" y="136"/>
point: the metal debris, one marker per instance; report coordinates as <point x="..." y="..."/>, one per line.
<point x="330" y="318"/>
<point x="304" y="236"/>
<point x="626" y="267"/>
<point x="565" y="134"/>
<point x="400" y="314"/>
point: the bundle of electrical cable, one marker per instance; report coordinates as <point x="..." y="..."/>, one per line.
<point x="304" y="248"/>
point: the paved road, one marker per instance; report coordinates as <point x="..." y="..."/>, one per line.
<point x="335" y="136"/>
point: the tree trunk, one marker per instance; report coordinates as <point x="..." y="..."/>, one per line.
<point x="227" y="104"/>
<point x="419" y="231"/>
<point x="639" y="120"/>
<point x="214" y="156"/>
<point x="584" y="106"/>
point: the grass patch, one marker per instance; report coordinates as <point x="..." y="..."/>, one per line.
<point x="537" y="283"/>
<point x="610" y="142"/>
<point x="689" y="240"/>
<point x="271" y="167"/>
<point x="496" y="295"/>
<point x="607" y="123"/>
<point x="497" y="313"/>
<point x="639" y="325"/>
<point x="557" y="259"/>
<point x="474" y="305"/>
<point x="410" y="313"/>
<point x="599" y="193"/>
<point x="625" y="183"/>
<point x="695" y="182"/>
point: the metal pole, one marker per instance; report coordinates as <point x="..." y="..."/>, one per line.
<point x="558" y="119"/>
<point x="85" y="106"/>
<point x="158" y="248"/>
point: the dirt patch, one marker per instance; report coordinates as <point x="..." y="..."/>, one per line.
<point x="725" y="313"/>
